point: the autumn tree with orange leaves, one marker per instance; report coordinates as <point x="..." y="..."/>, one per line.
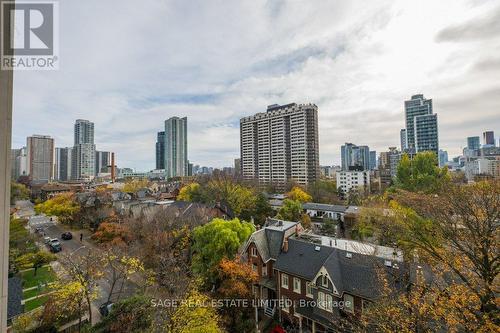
<point x="454" y="236"/>
<point x="235" y="282"/>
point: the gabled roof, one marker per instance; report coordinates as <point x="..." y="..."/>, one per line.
<point x="302" y="258"/>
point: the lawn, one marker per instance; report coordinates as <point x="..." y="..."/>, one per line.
<point x="34" y="292"/>
<point x="31" y="305"/>
<point x="43" y="275"/>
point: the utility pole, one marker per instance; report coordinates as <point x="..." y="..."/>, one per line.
<point x="6" y="86"/>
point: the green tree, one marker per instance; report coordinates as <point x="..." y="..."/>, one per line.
<point x="135" y="185"/>
<point x="130" y="315"/>
<point x="225" y="190"/>
<point x="298" y="194"/>
<point x="63" y="206"/>
<point x="260" y="212"/>
<point x="18" y="192"/>
<point x="291" y="210"/>
<point x="216" y="240"/>
<point x="421" y="174"/>
<point x="34" y="260"/>
<point x="324" y="191"/>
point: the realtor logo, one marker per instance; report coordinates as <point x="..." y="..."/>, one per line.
<point x="33" y="40"/>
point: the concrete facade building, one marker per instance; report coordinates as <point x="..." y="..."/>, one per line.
<point x="40" y="158"/>
<point x="281" y="145"/>
<point x="489" y="138"/>
<point x="160" y="150"/>
<point x="63" y="163"/>
<point x="176" y="159"/>
<point x="83" y="159"/>
<point x="102" y="161"/>
<point x="19" y="163"/>
<point x="353" y="180"/>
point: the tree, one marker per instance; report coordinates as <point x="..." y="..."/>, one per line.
<point x="235" y="282"/>
<point x="18" y="192"/>
<point x="216" y="240"/>
<point x="305" y="220"/>
<point x="291" y="210"/>
<point x="112" y="234"/>
<point x="195" y="315"/>
<point x="456" y="234"/>
<point x="135" y="185"/>
<point x="190" y="192"/>
<point x="260" y="212"/>
<point x="324" y="191"/>
<point x="225" y="190"/>
<point x="63" y="206"/>
<point x="86" y="270"/>
<point x="119" y="268"/>
<point x="298" y="194"/>
<point x="329" y="227"/>
<point x="34" y="260"/>
<point x="421" y="173"/>
<point x="133" y="314"/>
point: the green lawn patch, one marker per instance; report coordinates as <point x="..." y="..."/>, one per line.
<point x="43" y="275"/>
<point x="31" y="305"/>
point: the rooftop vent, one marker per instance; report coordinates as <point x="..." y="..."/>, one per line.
<point x="317" y="248"/>
<point x="348" y="255"/>
<point x="388" y="263"/>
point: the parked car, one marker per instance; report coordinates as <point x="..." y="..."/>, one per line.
<point x="55" y="245"/>
<point x="46" y="240"/>
<point x="67" y="236"/>
<point x="105" y="308"/>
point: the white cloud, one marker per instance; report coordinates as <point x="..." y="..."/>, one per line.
<point x="129" y="65"/>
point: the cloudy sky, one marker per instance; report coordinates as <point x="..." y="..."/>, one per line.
<point x="129" y="65"/>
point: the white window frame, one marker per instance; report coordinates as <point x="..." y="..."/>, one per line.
<point x="350" y="299"/>
<point x="298" y="289"/>
<point x="309" y="290"/>
<point x="321" y="300"/>
<point x="254" y="252"/>
<point x="264" y="270"/>
<point x="255" y="290"/>
<point x="329" y="302"/>
<point x="283" y="278"/>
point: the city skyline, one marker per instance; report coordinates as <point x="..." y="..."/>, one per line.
<point x="356" y="61"/>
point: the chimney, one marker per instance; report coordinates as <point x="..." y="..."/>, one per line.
<point x="285" y="246"/>
<point x="112" y="167"/>
<point x="297" y="230"/>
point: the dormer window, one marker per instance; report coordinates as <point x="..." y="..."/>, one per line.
<point x="254" y="252"/>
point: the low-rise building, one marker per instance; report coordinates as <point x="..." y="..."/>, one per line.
<point x="313" y="282"/>
<point x="348" y="181"/>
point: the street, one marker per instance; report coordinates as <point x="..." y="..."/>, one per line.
<point x="73" y="248"/>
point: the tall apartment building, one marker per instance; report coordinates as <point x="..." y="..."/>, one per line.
<point x="160" y="150"/>
<point x="19" y="163"/>
<point x="281" y="145"/>
<point x="421" y="125"/>
<point x="355" y="157"/>
<point x="83" y="159"/>
<point x="473" y="143"/>
<point x="63" y="163"/>
<point x="373" y="159"/>
<point x="40" y="158"/>
<point x="403" y="139"/>
<point x="176" y="159"/>
<point x="102" y="161"/>
<point x="489" y="138"/>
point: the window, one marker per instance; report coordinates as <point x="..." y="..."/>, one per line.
<point x="296" y="285"/>
<point x="286" y="304"/>
<point x="348" y="303"/>
<point x="255" y="290"/>
<point x="324" y="281"/>
<point x="254" y="252"/>
<point x="264" y="270"/>
<point x="321" y="300"/>
<point x="309" y="290"/>
<point x="329" y="302"/>
<point x="325" y="301"/>
<point x="254" y="267"/>
<point x="284" y="280"/>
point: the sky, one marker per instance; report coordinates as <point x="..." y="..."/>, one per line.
<point x="129" y="65"/>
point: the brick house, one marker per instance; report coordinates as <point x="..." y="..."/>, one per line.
<point x="318" y="280"/>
